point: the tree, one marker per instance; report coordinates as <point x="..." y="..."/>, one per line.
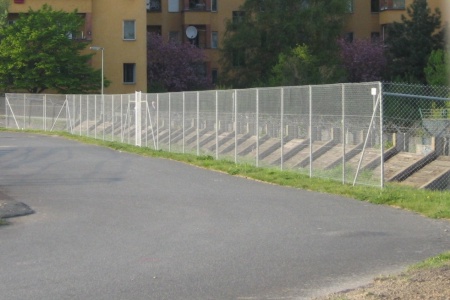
<point x="264" y="29"/>
<point x="4" y="4"/>
<point x="437" y="71"/>
<point x="301" y="67"/>
<point x="363" y="60"/>
<point x="410" y="42"/>
<point x="172" y="66"/>
<point x="38" y="53"/>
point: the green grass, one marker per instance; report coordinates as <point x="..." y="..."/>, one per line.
<point x="433" y="204"/>
<point x="3" y="222"/>
<point x="433" y="262"/>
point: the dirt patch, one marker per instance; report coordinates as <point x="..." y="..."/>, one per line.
<point x="432" y="283"/>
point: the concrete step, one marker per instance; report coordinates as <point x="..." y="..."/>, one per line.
<point x="434" y="175"/>
<point x="333" y="157"/>
<point x="223" y="137"/>
<point x="402" y="165"/>
<point x="299" y="158"/>
<point x="290" y="149"/>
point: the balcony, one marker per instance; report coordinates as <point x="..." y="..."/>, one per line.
<point x="197" y="5"/>
<point x="154" y="5"/>
<point x="392" y="5"/>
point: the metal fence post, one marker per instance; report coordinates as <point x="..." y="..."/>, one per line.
<point x="157" y="120"/>
<point x="87" y="115"/>
<point x="217" y="124"/>
<point x="310" y="132"/>
<point x="184" y="112"/>
<point x="170" y="121"/>
<point x="44" y="112"/>
<point x="121" y="118"/>
<point x="95" y="118"/>
<point x="257" y="127"/>
<point x="367" y="136"/>
<point x="380" y="91"/>
<point x="113" y="115"/>
<point x="198" y="123"/>
<point x="138" y="123"/>
<point x="282" y="129"/>
<point x="24" y="112"/>
<point x="235" y="126"/>
<point x="343" y="133"/>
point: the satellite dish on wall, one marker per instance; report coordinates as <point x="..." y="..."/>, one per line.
<point x="191" y="32"/>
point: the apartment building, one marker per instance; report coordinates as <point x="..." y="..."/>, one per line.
<point x="201" y="22"/>
<point x="369" y="18"/>
<point x="118" y="27"/>
<point x="205" y="21"/>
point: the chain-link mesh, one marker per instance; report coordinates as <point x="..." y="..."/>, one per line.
<point x="417" y="128"/>
<point x="330" y="131"/>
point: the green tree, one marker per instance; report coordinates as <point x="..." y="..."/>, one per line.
<point x="4" y="4"/>
<point x="410" y="42"/>
<point x="38" y="52"/>
<point x="264" y="29"/>
<point x="437" y="70"/>
<point x="301" y="67"/>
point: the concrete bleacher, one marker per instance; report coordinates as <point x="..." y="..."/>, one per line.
<point x="427" y="169"/>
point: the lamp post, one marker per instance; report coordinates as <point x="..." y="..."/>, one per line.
<point x="96" y="48"/>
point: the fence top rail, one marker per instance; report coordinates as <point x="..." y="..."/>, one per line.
<point x="416" y="96"/>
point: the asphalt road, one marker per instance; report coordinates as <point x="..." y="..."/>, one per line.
<point x="111" y="225"/>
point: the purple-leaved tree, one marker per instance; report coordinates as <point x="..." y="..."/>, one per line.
<point x="173" y="66"/>
<point x="364" y="60"/>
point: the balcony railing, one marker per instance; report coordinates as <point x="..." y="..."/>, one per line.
<point x="197" y="5"/>
<point x="153" y="5"/>
<point x="392" y="4"/>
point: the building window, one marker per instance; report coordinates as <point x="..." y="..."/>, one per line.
<point x="200" y="40"/>
<point x="174" y="5"/>
<point x="375" y="6"/>
<point x="129" y="30"/>
<point x="349" y="6"/>
<point x="213" y="5"/>
<point x="174" y="36"/>
<point x="214" y="39"/>
<point x="349" y="37"/>
<point x="201" y="69"/>
<point x="129" y="73"/>
<point x="154" y="29"/>
<point x="238" y="16"/>
<point x="392" y="4"/>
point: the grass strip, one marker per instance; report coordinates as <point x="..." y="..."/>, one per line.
<point x="433" y="262"/>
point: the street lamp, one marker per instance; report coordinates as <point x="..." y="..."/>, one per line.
<point x="96" y="48"/>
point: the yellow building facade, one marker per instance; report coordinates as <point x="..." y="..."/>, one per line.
<point x="120" y="28"/>
<point x="173" y="18"/>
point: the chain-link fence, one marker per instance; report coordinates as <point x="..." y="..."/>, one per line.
<point x="330" y="131"/>
<point x="416" y="121"/>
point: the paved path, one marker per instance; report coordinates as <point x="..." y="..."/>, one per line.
<point x="111" y="225"/>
